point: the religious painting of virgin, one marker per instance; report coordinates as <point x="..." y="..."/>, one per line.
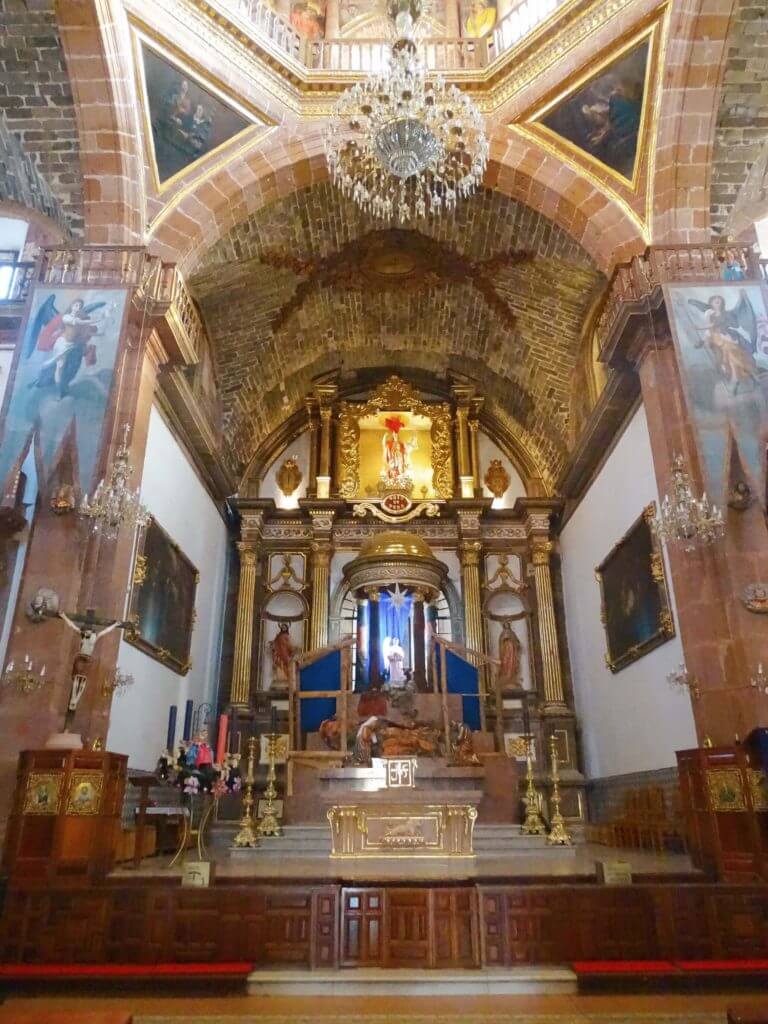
<point x="721" y="333"/>
<point x="633" y="590"/>
<point x="478" y="18"/>
<point x="187" y="120"/>
<point x="308" y="18"/>
<point x="60" y="387"/>
<point x="162" y="601"/>
<point x="603" y="117"/>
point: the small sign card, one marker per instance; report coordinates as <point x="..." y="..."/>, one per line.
<point x="613" y="872"/>
<point x="196" y="873"/>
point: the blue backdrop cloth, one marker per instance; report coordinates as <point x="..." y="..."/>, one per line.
<point x="463" y="679"/>
<point x="323" y="674"/>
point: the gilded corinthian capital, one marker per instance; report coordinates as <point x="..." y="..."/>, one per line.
<point x="540" y="551"/>
<point x="247" y="553"/>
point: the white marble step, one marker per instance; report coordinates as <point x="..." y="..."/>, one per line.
<point x="366" y="981"/>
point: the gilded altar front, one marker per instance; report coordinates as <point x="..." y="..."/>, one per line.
<point x="399" y="829"/>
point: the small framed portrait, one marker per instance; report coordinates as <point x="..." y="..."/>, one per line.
<point x="162" y="602"/>
<point x="84" y="796"/>
<point x="633" y="589"/>
<point x="43" y="793"/>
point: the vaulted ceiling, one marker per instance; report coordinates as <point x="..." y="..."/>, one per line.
<point x="308" y="286"/>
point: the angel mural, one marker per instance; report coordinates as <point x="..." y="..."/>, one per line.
<point x="62" y="382"/>
<point x="730" y="336"/>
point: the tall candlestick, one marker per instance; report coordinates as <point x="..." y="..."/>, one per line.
<point x="221" y="741"/>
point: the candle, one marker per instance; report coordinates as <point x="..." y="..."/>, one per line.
<point x="221" y="742"/>
<point x="170" y="741"/>
<point x="273" y="722"/>
<point x="188" y="720"/>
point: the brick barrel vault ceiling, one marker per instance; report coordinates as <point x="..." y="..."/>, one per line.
<point x="524" y="371"/>
<point x="742" y="120"/>
<point x="36" y="98"/>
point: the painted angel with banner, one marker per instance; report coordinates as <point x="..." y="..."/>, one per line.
<point x="730" y="337"/>
<point x="68" y="338"/>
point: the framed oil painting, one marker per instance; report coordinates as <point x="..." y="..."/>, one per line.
<point x="603" y="117"/>
<point x="633" y="590"/>
<point x="58" y="396"/>
<point x="187" y="120"/>
<point x="721" y="333"/>
<point x="162" y="602"/>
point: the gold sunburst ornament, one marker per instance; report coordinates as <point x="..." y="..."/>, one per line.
<point x="401" y="146"/>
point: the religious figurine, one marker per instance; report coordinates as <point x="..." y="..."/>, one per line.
<point x="394" y="655"/>
<point x="88" y="635"/>
<point x="44" y="604"/>
<point x="754" y="597"/>
<point x="282" y="650"/>
<point x="740" y="496"/>
<point x="733" y="268"/>
<point x="464" y="755"/>
<point x="396" y="453"/>
<point x="509" y="656"/>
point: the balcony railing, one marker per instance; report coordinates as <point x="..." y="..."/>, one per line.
<point x="370" y="55"/>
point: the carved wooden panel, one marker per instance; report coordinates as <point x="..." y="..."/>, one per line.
<point x="325" y="951"/>
<point x="362" y="927"/>
<point x="454" y="926"/>
<point x="408" y="931"/>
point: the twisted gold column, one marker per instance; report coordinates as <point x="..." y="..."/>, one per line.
<point x="318" y="627"/>
<point x="241" y="672"/>
<point x="470" y="577"/>
<point x="550" y="652"/>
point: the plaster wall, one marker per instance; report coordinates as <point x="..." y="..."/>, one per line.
<point x="174" y="494"/>
<point x="633" y="720"/>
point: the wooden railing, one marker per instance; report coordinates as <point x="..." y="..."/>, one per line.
<point x="370" y="55"/>
<point x="634" y="281"/>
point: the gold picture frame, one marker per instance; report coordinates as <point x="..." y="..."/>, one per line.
<point x="635" y="606"/>
<point x="396" y="395"/>
<point x="43" y="793"/>
<point x="726" y="789"/>
<point x="84" y="794"/>
<point x="161" y="604"/>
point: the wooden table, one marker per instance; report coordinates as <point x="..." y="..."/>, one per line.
<point x="143" y="782"/>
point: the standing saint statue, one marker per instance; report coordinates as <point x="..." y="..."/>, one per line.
<point x="395" y="656"/>
<point x="282" y="650"/>
<point x="396" y="452"/>
<point x="509" y="656"/>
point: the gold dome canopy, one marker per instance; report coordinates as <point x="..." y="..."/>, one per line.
<point x="394" y="543"/>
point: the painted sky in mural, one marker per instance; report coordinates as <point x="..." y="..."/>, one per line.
<point x="722" y="335"/>
<point x="187" y="120"/>
<point x="63" y="380"/>
<point x="602" y="118"/>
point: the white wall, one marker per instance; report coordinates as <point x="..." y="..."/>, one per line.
<point x="632" y="721"/>
<point x="173" y="493"/>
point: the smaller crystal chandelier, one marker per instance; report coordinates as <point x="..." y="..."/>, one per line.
<point x="681" y="679"/>
<point x="114" y="505"/>
<point x="116" y="683"/>
<point x="685" y="519"/>
<point x="25" y="677"/>
<point x="759" y="681"/>
<point x="401" y="146"/>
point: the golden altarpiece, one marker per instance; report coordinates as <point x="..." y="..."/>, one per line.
<point x="392" y="526"/>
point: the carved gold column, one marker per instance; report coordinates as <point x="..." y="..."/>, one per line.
<point x="314" y="454"/>
<point x="469" y="553"/>
<point x="550" y="651"/>
<point x="326" y="393"/>
<point x="474" y="454"/>
<point x="321" y="561"/>
<point x="241" y="671"/>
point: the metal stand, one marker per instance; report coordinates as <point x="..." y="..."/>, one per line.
<point x="247" y="834"/>
<point x="558" y="833"/>
<point x="269" y="824"/>
<point x="533" y="825"/>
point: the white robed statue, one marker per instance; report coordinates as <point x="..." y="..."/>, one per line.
<point x="394" y="655"/>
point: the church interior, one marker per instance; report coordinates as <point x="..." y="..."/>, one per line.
<point x="384" y="511"/>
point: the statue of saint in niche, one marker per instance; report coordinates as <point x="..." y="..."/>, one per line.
<point x="509" y="656"/>
<point x="396" y="453"/>
<point x="282" y="650"/>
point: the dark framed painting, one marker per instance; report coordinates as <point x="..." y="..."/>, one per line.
<point x="603" y="117"/>
<point x="187" y="120"/>
<point x="161" y="608"/>
<point x="633" y="590"/>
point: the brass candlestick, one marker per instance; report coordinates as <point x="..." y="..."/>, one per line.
<point x="558" y="833"/>
<point x="247" y="835"/>
<point x="269" y="825"/>
<point x="533" y="824"/>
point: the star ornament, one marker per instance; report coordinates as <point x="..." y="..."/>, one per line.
<point x="397" y="596"/>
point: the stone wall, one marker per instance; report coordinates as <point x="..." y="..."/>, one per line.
<point x="742" y="123"/>
<point x="36" y="99"/>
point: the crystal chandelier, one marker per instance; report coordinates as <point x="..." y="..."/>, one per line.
<point x="27" y="677"/>
<point x="685" y="519"/>
<point x="402" y="147"/>
<point x="681" y="679"/>
<point x="114" y="505"/>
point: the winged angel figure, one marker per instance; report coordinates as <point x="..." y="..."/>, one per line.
<point x="730" y="336"/>
<point x="68" y="340"/>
